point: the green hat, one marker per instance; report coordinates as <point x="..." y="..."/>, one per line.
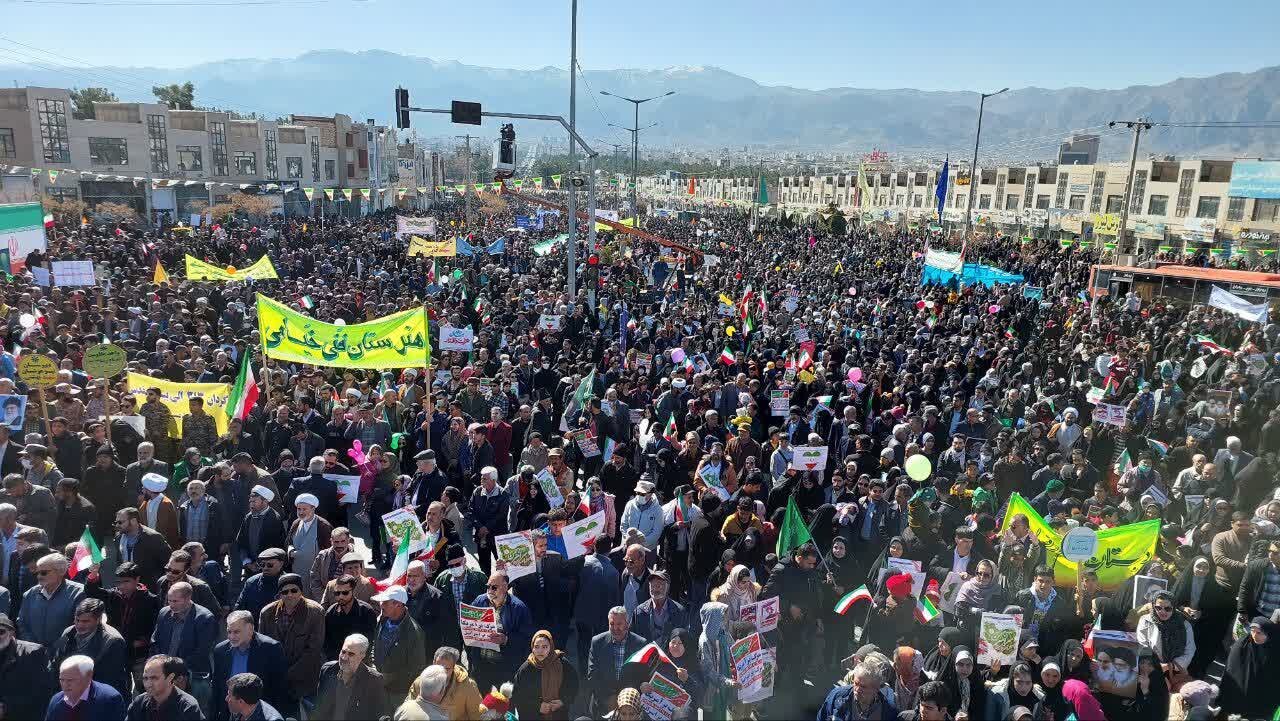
<point x="1054" y="486"/>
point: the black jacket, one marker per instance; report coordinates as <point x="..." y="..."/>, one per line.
<point x="270" y="536"/>
<point x="110" y="654"/>
<point x="704" y="547"/>
<point x="1255" y="574"/>
<point x="266" y="660"/>
<point x="367" y="699"/>
<point x="25" y="681"/>
<point x="180" y="706"/>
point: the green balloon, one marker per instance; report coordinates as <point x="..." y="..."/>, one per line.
<point x="457" y="274"/>
<point x="918" y="467"/>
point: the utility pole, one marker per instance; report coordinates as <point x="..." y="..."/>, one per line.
<point x="974" y="174"/>
<point x="1137" y="126"/>
<point x="635" y="144"/>
<point x="470" y="181"/>
<point x="571" y="246"/>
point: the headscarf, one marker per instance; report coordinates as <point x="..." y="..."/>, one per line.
<point x="908" y="664"/>
<point x="1016" y="699"/>
<point x="821" y="528"/>
<point x="1086" y="707"/>
<point x="714" y="642"/>
<point x="735" y="599"/>
<point x="976" y="594"/>
<point x="552" y="667"/>
<point x="938" y="667"/>
<point x="969" y="694"/>
<point x="1173" y="629"/>
<point x="1082" y="672"/>
<point x="1246" y="686"/>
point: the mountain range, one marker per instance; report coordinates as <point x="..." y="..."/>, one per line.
<point x="714" y="108"/>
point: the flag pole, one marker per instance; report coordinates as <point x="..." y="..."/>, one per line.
<point x="428" y="411"/>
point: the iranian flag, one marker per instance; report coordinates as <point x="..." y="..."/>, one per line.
<point x="87" y="554"/>
<point x="1123" y="463"/>
<point x="245" y="392"/>
<point x="647" y="654"/>
<point x="925" y="610"/>
<point x="1207" y="342"/>
<point x="399" y="574"/>
<point x="670" y="433"/>
<point x="805" y="360"/>
<point x="48" y="220"/>
<point x="307" y="302"/>
<point x="858" y="594"/>
<point x="433" y="272"/>
<point x="726" y="356"/>
<point x="749" y="324"/>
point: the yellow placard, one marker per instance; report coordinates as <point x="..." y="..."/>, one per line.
<point x="261" y="270"/>
<point x="1106" y="223"/>
<point x="37" y="371"/>
<point x="394" y="341"/>
<point x="432" y="248"/>
<point x="1123" y="551"/>
<point x="177" y="396"/>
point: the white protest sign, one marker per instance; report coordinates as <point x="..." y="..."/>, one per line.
<point x="477" y="624"/>
<point x="1110" y="414"/>
<point x="402" y="521"/>
<point x="754" y="669"/>
<point x="69" y="273"/>
<point x="548" y="321"/>
<point x="998" y="637"/>
<point x="763" y="614"/>
<point x="516" y="551"/>
<point x="809" y="458"/>
<point x="780" y="402"/>
<point x="547" y="482"/>
<point x="348" y="486"/>
<point x="664" y="700"/>
<point x="580" y="536"/>
<point x="456" y="339"/>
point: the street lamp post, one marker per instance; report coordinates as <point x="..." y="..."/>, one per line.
<point x="635" y="143"/>
<point x="973" y="169"/>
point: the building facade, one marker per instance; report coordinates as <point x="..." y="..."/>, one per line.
<point x="159" y="160"/>
<point x="1174" y="203"/>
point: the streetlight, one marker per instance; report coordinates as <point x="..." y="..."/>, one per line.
<point x="635" y="142"/>
<point x="973" y="169"/>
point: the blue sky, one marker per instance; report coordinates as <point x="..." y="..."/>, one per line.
<point x="809" y="43"/>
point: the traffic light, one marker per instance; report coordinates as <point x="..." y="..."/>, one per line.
<point x="402" y="108"/>
<point x="506" y="145"/>
<point x="465" y="113"/>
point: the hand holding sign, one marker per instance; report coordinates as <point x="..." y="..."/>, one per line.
<point x="810" y="458"/>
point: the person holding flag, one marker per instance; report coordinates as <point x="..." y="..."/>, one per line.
<point x="799" y="588"/>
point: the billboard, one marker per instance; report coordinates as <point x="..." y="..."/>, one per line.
<point x="21" y="231"/>
<point x="1255" y="179"/>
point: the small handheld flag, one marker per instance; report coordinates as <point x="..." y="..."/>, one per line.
<point x="861" y="593"/>
<point x="925" y="610"/>
<point x="87" y="554"/>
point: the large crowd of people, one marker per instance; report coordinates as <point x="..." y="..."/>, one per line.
<point x="155" y="566"/>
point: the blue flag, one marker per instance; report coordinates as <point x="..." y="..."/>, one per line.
<point x="941" y="192"/>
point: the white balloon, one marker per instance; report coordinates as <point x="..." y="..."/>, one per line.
<point x="340" y="321"/>
<point x="26" y="320"/>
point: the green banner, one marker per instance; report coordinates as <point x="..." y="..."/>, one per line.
<point x="1123" y="551"/>
<point x="393" y="341"/>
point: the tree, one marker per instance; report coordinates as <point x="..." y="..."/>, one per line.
<point x="242" y="205"/>
<point x="836" y="223"/>
<point x="177" y="97"/>
<point x="84" y="98"/>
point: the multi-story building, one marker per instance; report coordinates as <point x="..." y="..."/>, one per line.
<point x="155" y="159"/>
<point x="1173" y="202"/>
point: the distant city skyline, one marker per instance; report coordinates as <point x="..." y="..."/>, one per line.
<point x="828" y="44"/>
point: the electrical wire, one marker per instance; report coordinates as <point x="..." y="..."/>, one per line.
<point x="592" y="93"/>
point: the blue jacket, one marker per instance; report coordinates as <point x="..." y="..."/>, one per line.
<point x="103" y="704"/>
<point x="597" y="591"/>
<point x="266" y="661"/>
<point x="198" y="635"/>
<point x="839" y="705"/>
<point x="517" y="624"/>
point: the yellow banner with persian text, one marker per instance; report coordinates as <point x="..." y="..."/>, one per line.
<point x="394" y="341"/>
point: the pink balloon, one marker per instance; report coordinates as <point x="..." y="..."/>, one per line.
<point x="855" y="375"/>
<point x="919" y="305"/>
<point x="993" y="309"/>
<point x="677" y="354"/>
